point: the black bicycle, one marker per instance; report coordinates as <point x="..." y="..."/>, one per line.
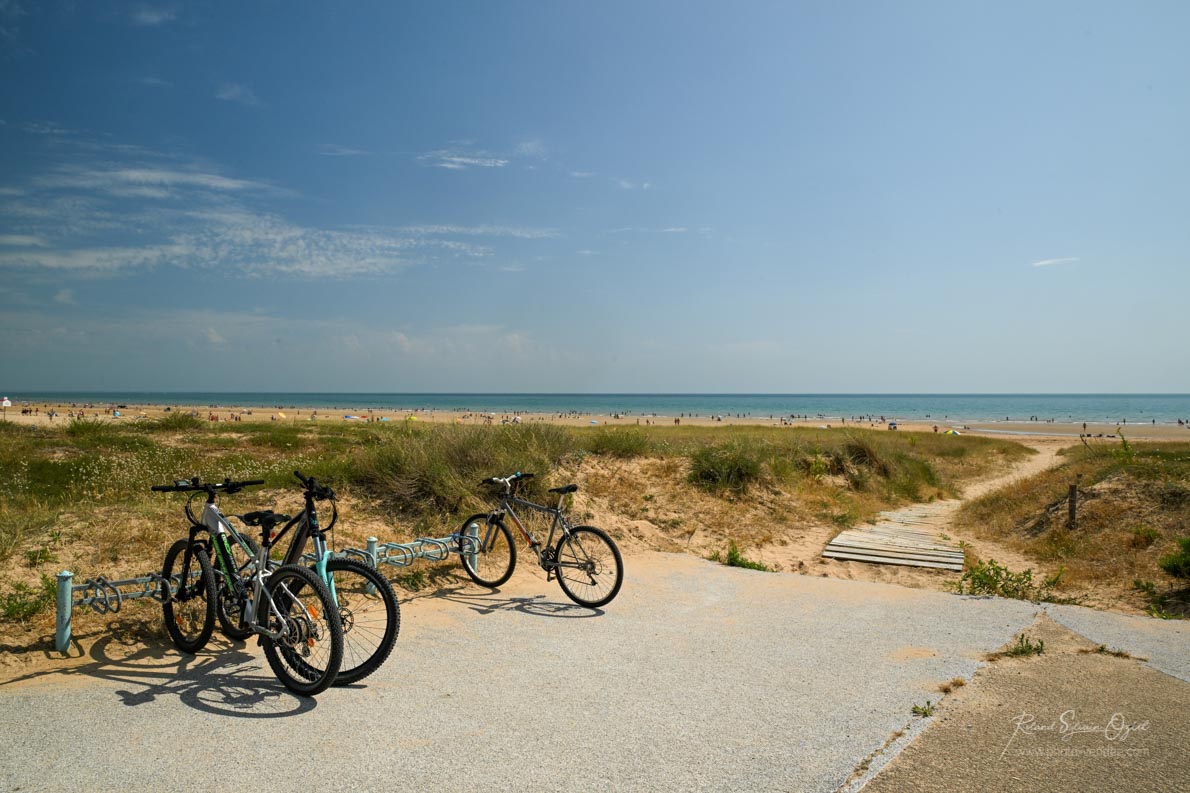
<point x="367" y="604"/>
<point x="288" y="606"/>
<point x="585" y="559"/>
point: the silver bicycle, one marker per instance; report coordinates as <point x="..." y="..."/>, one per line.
<point x="289" y="607"/>
<point x="585" y="560"/>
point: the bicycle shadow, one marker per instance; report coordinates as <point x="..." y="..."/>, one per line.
<point x="223" y="680"/>
<point x="492" y="601"/>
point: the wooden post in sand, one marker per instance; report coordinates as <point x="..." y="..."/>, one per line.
<point x="1072" y="522"/>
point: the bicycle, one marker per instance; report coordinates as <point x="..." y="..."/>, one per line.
<point x="288" y="607"/>
<point x="366" y="602"/>
<point x="585" y="560"/>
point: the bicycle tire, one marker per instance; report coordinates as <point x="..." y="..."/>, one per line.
<point x="231" y="620"/>
<point x="371" y="619"/>
<point x="189" y="627"/>
<point x="492" y="565"/>
<point x="600" y="562"/>
<point x="308" y="661"/>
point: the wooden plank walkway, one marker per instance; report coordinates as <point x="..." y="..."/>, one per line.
<point x="902" y="537"/>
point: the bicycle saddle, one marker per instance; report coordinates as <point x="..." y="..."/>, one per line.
<point x="265" y="517"/>
<point x="564" y="490"/>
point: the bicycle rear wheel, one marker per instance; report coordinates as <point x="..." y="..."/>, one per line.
<point x="190" y="610"/>
<point x="590" y="569"/>
<point x="370" y="615"/>
<point x="307" y="658"/>
<point x="490" y="556"/>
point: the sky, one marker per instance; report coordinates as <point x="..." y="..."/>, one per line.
<point x="804" y="197"/>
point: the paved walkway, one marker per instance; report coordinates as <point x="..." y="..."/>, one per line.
<point x="698" y="677"/>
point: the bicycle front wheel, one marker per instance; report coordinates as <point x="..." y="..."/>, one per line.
<point x="489" y="556"/>
<point x="308" y="654"/>
<point x="189" y="611"/>
<point x="370" y="615"/>
<point x="589" y="567"/>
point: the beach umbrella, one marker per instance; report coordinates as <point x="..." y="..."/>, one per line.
<point x="282" y="415"/>
<point x="7" y="403"/>
<point x="593" y="421"/>
<point x="411" y="418"/>
<point x="952" y="432"/>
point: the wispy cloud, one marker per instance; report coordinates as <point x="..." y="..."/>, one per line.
<point x="152" y="16"/>
<point x="626" y="184"/>
<point x="155" y="82"/>
<point x="116" y="209"/>
<point x="1048" y="262"/>
<point x="65" y="297"/>
<point x="145" y="182"/>
<point x="213" y="336"/>
<point x="237" y="92"/>
<point x="335" y="150"/>
<point x="582" y="174"/>
<point x="458" y="160"/>
<point x="484" y="231"/>
<point x="22" y="241"/>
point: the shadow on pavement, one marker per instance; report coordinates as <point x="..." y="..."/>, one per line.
<point x="224" y="679"/>
<point x="489" y="602"/>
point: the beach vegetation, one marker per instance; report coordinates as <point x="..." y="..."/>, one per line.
<point x="1132" y="508"/>
<point x="733" y="558"/>
<point x="78" y="491"/>
<point x="923" y="711"/>
<point x="990" y="578"/>
<point x="175" y="421"/>
<point x="619" y="442"/>
<point x="1025" y="647"/>
<point x="24" y="601"/>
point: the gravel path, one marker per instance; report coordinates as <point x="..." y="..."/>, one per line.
<point x="698" y="677"/>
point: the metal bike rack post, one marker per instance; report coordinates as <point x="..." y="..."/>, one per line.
<point x="65" y="603"/>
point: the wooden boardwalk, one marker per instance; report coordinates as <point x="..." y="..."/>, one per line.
<point x="906" y="536"/>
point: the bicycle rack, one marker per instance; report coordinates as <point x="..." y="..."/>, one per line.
<point x="103" y="596"/>
<point x="106" y="597"/>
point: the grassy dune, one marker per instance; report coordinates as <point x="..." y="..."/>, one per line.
<point x="77" y="497"/>
<point x="1134" y="505"/>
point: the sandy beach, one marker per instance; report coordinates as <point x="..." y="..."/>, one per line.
<point x="48" y="414"/>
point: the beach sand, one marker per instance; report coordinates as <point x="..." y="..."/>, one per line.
<point x="1066" y="431"/>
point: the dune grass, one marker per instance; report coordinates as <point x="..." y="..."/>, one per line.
<point x="77" y="495"/>
<point x="1134" y="506"/>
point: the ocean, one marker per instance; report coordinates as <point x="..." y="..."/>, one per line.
<point x="1091" y="408"/>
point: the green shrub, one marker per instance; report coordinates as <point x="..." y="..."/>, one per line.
<point x="1177" y="564"/>
<point x="619" y="442"/>
<point x="176" y="421"/>
<point x="725" y="466"/>
<point x="25" y="601"/>
<point x="1143" y="536"/>
<point x="432" y="468"/>
<point x="735" y="559"/>
<point x="1025" y="647"/>
<point x="990" y="578"/>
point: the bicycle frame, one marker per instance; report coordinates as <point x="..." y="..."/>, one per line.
<point x="558" y="521"/>
<point x="215" y="523"/>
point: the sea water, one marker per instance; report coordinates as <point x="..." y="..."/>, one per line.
<point x="1091" y="408"/>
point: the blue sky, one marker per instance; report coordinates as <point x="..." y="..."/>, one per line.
<point x="585" y="197"/>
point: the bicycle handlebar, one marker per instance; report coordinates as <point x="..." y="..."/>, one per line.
<point x="506" y="480"/>
<point x="189" y="485"/>
<point x="316" y="490"/>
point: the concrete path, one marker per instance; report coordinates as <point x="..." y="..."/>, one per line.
<point x="698" y="677"/>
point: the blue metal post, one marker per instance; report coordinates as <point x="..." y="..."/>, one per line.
<point x="65" y="603"/>
<point x="372" y="553"/>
